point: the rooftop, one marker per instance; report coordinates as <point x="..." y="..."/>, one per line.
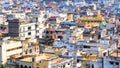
<point x="115" y="54"/>
<point x="43" y="56"/>
<point x="58" y="60"/>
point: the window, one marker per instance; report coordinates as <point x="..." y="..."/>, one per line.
<point x="25" y="66"/>
<point x="1" y="27"/>
<point x="20" y="34"/>
<point x="104" y="54"/>
<point x="39" y="61"/>
<point x="25" y="52"/>
<point x="86" y="46"/>
<point x="47" y="32"/>
<point x="17" y="66"/>
<point x="29" y="28"/>
<point x="92" y="66"/>
<point x="44" y="66"/>
<point x="29" y="33"/>
<point x="37" y="31"/>
<point x="30" y="43"/>
<point x="51" y="32"/>
<point x="47" y="36"/>
<point x="20" y="29"/>
<point x="30" y="50"/>
<point x="117" y="63"/>
<point x="78" y="60"/>
<point x="21" y="66"/>
<point x="33" y="59"/>
<point x="37" y="37"/>
<point x="63" y="66"/>
<point x="19" y="47"/>
<point x="111" y="62"/>
<point x="23" y="29"/>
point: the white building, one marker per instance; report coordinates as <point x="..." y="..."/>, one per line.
<point x="9" y="48"/>
<point x="111" y="62"/>
<point x="22" y="29"/>
<point x="27" y="30"/>
<point x="41" y="24"/>
<point x="19" y="15"/>
<point x="109" y="2"/>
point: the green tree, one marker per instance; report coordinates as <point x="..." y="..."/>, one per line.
<point x="63" y="66"/>
<point x="2" y="66"/>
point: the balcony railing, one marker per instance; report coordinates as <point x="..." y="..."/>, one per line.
<point x="113" y="58"/>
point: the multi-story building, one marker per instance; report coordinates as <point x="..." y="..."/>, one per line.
<point x="21" y="29"/>
<point x="103" y="2"/>
<point x="19" y="15"/>
<point x="9" y="48"/>
<point x="112" y="60"/>
<point x="3" y="23"/>
<point x="117" y="1"/>
<point x="45" y="60"/>
<point x="94" y="59"/>
<point x="93" y="1"/>
<point x="30" y="47"/>
<point x="90" y="22"/>
<point x="41" y="25"/>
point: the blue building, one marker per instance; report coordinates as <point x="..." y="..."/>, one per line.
<point x="89" y="1"/>
<point x="67" y="24"/>
<point x="92" y="1"/>
<point x="117" y="6"/>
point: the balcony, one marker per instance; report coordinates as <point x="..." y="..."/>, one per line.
<point x="12" y="52"/>
<point x="11" y="62"/>
<point x="112" y="58"/>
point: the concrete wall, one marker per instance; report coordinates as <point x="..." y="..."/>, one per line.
<point x="24" y="31"/>
<point x="20" y="15"/>
<point x="41" y="64"/>
<point x="24" y="27"/>
<point x="111" y="63"/>
<point x="24" y="63"/>
<point x="13" y="49"/>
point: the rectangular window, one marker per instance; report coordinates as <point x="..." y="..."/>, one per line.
<point x="86" y="46"/>
<point x="44" y="66"/>
<point x="92" y="65"/>
<point x="117" y="63"/>
<point x="30" y="50"/>
<point x="111" y="62"/>
<point x="23" y="28"/>
<point x="25" y="52"/>
<point x="23" y="35"/>
<point x="29" y="33"/>
<point x="37" y="31"/>
<point x="20" y="30"/>
<point x="29" y="28"/>
<point x="33" y="60"/>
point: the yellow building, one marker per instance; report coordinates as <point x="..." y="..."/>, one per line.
<point x="70" y="17"/>
<point x="90" y="22"/>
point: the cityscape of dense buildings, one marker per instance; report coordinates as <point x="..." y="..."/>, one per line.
<point x="59" y="33"/>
